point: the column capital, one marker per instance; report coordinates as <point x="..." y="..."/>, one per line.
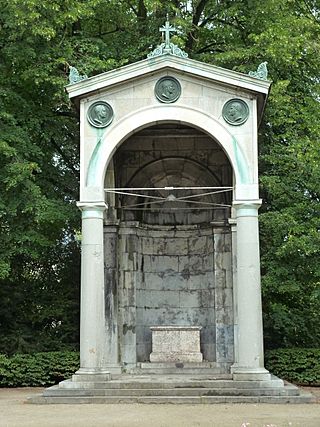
<point x="92" y="209"/>
<point x="246" y="207"/>
<point x="96" y="206"/>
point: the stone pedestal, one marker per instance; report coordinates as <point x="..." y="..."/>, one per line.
<point x="176" y="344"/>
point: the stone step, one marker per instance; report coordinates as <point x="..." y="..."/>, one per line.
<point x="181" y="365"/>
<point x="168" y="382"/>
<point x="177" y="368"/>
<point x="288" y="391"/>
<point x="190" y="371"/>
<point x="305" y="398"/>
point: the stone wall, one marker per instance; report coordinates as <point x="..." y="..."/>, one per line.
<point x="170" y="276"/>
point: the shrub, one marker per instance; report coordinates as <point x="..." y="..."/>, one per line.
<point x="298" y="365"/>
<point x="38" y="369"/>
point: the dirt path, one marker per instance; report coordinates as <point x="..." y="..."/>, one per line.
<point x="15" y="412"/>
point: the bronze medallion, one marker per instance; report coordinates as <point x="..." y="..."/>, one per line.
<point x="100" y="114"/>
<point x="167" y="89"/>
<point x="235" y="112"/>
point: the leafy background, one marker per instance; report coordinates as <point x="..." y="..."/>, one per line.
<point x="39" y="163"/>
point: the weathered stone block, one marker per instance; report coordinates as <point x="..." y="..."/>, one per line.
<point x="208" y="262"/>
<point x="126" y="262"/>
<point x="224" y="297"/>
<point x="153" y="281"/>
<point x="175" y="344"/>
<point x="151" y="316"/>
<point x="129" y="279"/>
<point x="192" y="264"/>
<point x="220" y="278"/>
<point x="224" y="315"/>
<point x="177" y="246"/>
<point x="223" y="260"/>
<point x="152" y="263"/>
<point x="128" y="315"/>
<point x="128" y="353"/>
<point x="128" y="297"/>
<point x="200" y="281"/>
<point x="148" y="247"/>
<point x="207" y="298"/>
<point x="224" y="343"/>
<point x="158" y="299"/>
<point x="198" y="245"/>
<point x="189" y="299"/>
<point x="209" y="351"/>
<point x="143" y="334"/>
<point x="110" y="250"/>
<point x="143" y="352"/>
<point x="222" y="242"/>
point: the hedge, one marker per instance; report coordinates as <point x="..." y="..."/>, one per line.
<point x="297" y="365"/>
<point x="38" y="369"/>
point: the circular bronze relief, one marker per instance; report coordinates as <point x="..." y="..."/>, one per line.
<point x="235" y="112"/>
<point x="167" y="89"/>
<point x="100" y="114"/>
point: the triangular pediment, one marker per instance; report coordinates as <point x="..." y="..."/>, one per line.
<point x="153" y="66"/>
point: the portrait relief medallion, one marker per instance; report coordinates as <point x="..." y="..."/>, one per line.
<point x="167" y="89"/>
<point x="100" y="114"/>
<point x="235" y="112"/>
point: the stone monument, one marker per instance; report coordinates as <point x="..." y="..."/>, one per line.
<point x="169" y="199"/>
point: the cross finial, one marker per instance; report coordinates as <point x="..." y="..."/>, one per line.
<point x="167" y="29"/>
<point x="167" y="48"/>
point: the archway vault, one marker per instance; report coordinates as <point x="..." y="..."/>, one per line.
<point x="146" y="117"/>
<point x="173" y="200"/>
<point x="171" y="174"/>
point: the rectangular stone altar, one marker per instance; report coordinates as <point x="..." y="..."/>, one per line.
<point x="176" y="344"/>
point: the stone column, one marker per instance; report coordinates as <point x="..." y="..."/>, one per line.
<point x="250" y="363"/>
<point x="93" y="358"/>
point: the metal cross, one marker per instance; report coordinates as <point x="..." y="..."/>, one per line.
<point x="167" y="29"/>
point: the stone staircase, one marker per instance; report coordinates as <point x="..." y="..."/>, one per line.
<point x="178" y="388"/>
<point x="177" y="368"/>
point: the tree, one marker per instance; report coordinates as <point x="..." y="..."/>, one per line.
<point x="39" y="165"/>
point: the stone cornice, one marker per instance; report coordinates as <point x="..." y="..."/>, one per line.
<point x="170" y="62"/>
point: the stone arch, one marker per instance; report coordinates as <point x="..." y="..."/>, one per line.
<point x="146" y="117"/>
<point x="175" y="246"/>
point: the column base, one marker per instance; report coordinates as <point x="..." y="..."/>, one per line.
<point x="91" y="374"/>
<point x="250" y="374"/>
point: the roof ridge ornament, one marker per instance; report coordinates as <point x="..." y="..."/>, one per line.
<point x="261" y="73"/>
<point x="167" y="48"/>
<point x="74" y="75"/>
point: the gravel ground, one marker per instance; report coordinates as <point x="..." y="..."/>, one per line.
<point x="14" y="411"/>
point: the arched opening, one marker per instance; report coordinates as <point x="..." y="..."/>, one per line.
<point x="170" y="188"/>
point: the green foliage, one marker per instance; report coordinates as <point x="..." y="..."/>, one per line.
<point x="39" y="155"/>
<point x="38" y="369"/>
<point x="298" y="365"/>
